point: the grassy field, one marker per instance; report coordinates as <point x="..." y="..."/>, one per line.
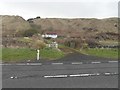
<point x="49" y="53"/>
<point x="107" y="53"/>
<point x="17" y="55"/>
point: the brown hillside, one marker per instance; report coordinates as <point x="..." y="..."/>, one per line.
<point x="79" y="30"/>
<point x="77" y="24"/>
<point x="83" y="27"/>
<point x="12" y="25"/>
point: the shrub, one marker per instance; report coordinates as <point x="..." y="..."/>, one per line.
<point x="30" y="32"/>
<point x="39" y="44"/>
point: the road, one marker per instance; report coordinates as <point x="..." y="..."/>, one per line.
<point x="71" y="73"/>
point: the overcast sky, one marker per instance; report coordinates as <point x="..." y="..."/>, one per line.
<point x="60" y="8"/>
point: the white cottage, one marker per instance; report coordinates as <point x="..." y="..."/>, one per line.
<point x="50" y="35"/>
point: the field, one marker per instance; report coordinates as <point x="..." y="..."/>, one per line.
<point x="23" y="54"/>
<point x="107" y="53"/>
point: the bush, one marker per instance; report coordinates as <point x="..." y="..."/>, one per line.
<point x="30" y="32"/>
<point x="76" y="43"/>
<point x="39" y="44"/>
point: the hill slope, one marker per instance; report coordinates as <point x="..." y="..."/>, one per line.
<point x="13" y="25"/>
<point x="100" y="29"/>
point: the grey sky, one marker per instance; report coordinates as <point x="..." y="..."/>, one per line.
<point x="60" y="9"/>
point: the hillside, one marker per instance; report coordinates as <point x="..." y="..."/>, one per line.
<point x="79" y="29"/>
<point x="80" y="26"/>
<point x="77" y="24"/>
<point x="12" y="25"/>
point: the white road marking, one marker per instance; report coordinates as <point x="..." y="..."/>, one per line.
<point x="112" y="61"/>
<point x="72" y="75"/>
<point x="95" y="74"/>
<point x="20" y="64"/>
<point x="76" y="75"/>
<point x="77" y="63"/>
<point x="83" y="75"/>
<point x="34" y="63"/>
<point x="107" y="73"/>
<point x="74" y="63"/>
<point x="115" y="73"/>
<point x="11" y="77"/>
<point x="56" y="76"/>
<point x="111" y="73"/>
<point x="57" y="63"/>
<point x="95" y="62"/>
<point x="79" y="75"/>
<point x="6" y="64"/>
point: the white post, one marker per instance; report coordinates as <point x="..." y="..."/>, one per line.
<point x="38" y="54"/>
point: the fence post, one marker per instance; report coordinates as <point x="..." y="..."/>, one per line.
<point x="38" y="54"/>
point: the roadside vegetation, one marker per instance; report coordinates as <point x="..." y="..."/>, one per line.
<point x="16" y="55"/>
<point x="107" y="53"/>
<point x="23" y="54"/>
<point x="99" y="52"/>
<point x="51" y="53"/>
<point x="0" y="53"/>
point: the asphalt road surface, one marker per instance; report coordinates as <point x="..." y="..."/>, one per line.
<point x="69" y="72"/>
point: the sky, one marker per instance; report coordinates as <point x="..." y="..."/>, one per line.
<point x="60" y="8"/>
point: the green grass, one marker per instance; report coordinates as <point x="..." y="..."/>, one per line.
<point x="49" y="53"/>
<point x="0" y="53"/>
<point x="107" y="53"/>
<point x="17" y="55"/>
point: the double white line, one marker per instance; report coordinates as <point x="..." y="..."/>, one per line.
<point x="80" y="75"/>
<point x="74" y="75"/>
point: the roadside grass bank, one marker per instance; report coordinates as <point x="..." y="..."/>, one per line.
<point x="0" y="54"/>
<point x="106" y="53"/>
<point x="23" y="54"/>
<point x="51" y="53"/>
<point x="17" y="55"/>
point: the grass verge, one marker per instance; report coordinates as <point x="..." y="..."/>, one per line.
<point x="22" y="54"/>
<point x="51" y="54"/>
<point x="107" y="53"/>
<point x="16" y="55"/>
